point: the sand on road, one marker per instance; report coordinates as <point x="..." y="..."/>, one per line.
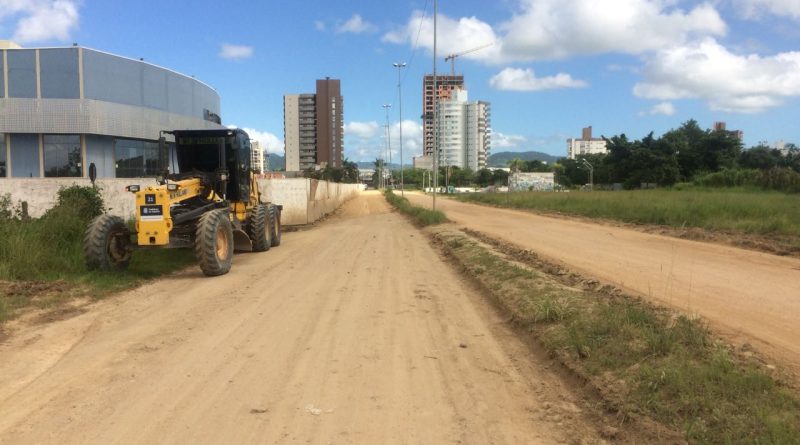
<point x="750" y="297"/>
<point x="354" y="331"/>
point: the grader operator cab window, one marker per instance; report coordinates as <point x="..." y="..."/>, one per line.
<point x="213" y="151"/>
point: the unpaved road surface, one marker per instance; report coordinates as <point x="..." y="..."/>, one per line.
<point x="749" y="296"/>
<point x="352" y="332"/>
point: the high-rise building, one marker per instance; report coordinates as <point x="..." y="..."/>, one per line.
<point x="721" y="126"/>
<point x="445" y="86"/>
<point x="330" y="126"/>
<point x="258" y="158"/>
<point x="313" y="126"/>
<point x="585" y="145"/>
<point x="300" y="131"/>
<point x="464" y="130"/>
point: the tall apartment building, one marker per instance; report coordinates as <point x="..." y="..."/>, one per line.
<point x="300" y="131"/>
<point x="464" y="131"/>
<point x="721" y="126"/>
<point x="258" y="158"/>
<point x="313" y="126"/>
<point x="445" y="86"/>
<point x="585" y="145"/>
<point x="330" y="125"/>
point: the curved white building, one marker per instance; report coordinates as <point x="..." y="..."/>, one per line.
<point x="62" y="109"/>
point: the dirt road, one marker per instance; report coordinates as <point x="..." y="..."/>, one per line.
<point x="753" y="297"/>
<point x="351" y="332"/>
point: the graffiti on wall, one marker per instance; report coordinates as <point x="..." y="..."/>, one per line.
<point x="539" y="182"/>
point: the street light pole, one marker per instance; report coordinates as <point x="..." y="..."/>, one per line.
<point x="435" y="94"/>
<point x="388" y="140"/>
<point x="591" y="173"/>
<point x="400" y="66"/>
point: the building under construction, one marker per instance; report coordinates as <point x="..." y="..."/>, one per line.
<point x="445" y="84"/>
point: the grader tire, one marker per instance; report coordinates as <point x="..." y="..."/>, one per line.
<point x="106" y="244"/>
<point x="214" y="243"/>
<point x="260" y="228"/>
<point x="275" y="219"/>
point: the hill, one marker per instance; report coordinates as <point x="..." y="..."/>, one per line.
<point x="276" y="162"/>
<point x="501" y="159"/>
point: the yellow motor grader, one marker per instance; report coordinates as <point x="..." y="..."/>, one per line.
<point x="213" y="205"/>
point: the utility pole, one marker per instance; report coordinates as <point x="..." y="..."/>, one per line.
<point x="435" y="111"/>
<point x="399" y="67"/>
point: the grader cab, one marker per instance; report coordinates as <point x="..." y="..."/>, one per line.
<point x="211" y="205"/>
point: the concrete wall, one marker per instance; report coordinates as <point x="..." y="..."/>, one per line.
<point x="304" y="200"/>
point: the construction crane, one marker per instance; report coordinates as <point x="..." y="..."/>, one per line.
<point x="452" y="57"/>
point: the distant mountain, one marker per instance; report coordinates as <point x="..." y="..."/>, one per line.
<point x="276" y="162"/>
<point x="504" y="157"/>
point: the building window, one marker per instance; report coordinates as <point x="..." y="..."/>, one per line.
<point x="62" y="155"/>
<point x="135" y="159"/>
<point x="3" y="160"/>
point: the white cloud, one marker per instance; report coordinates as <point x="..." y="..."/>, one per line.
<point x="727" y="81"/>
<point x="267" y="140"/>
<point x="356" y="25"/>
<point x="412" y="139"/>
<point x="367" y="140"/>
<point x="501" y="140"/>
<point x="754" y="9"/>
<point x="361" y="130"/>
<point x="554" y="29"/>
<point x="663" y="108"/>
<point x="41" y="20"/>
<point x="517" y="79"/>
<point x="453" y="35"/>
<point x="319" y="25"/>
<point x="235" y="52"/>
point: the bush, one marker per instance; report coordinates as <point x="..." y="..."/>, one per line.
<point x="781" y="179"/>
<point x="83" y="202"/>
<point x="49" y="247"/>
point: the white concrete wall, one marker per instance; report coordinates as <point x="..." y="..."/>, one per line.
<point x="304" y="200"/>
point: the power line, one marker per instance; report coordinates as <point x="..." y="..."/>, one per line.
<point x="416" y="41"/>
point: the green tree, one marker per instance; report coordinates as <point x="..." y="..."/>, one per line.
<point x="761" y="157"/>
<point x="484" y="177"/>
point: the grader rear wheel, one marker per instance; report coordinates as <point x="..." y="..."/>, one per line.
<point x="275" y="219"/>
<point x="106" y="243"/>
<point x="214" y="243"/>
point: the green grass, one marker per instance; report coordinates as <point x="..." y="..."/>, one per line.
<point x="738" y="210"/>
<point x="646" y="361"/>
<point x="44" y="258"/>
<point x="420" y="215"/>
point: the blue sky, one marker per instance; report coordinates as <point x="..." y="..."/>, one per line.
<point x="553" y="67"/>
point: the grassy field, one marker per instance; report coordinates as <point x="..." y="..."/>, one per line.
<point x="734" y="210"/>
<point x="421" y="216"/>
<point x="645" y="361"/>
<point x="42" y="263"/>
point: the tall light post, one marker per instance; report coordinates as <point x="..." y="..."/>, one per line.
<point x="388" y="140"/>
<point x="591" y="173"/>
<point x="435" y="111"/>
<point x="400" y="66"/>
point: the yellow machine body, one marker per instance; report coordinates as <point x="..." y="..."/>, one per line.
<point x="153" y="218"/>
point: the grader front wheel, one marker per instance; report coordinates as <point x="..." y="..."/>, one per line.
<point x="106" y="243"/>
<point x="214" y="243"/>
